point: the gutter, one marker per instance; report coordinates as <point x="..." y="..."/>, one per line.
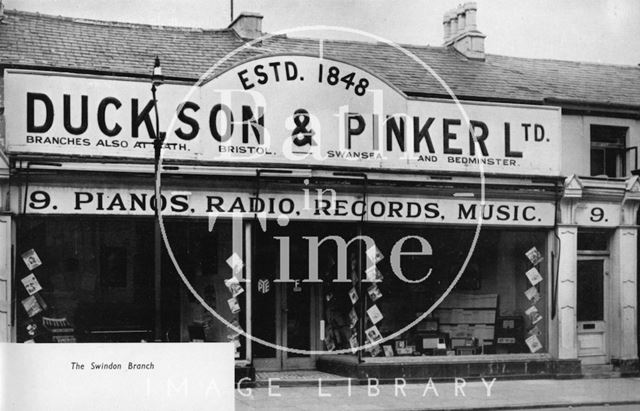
<point x="596" y="108"/>
<point x="92" y="72"/>
<point x="475" y="98"/>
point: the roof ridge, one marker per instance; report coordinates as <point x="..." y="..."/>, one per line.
<point x="113" y="23"/>
<point x="372" y="42"/>
<point x="579" y="62"/>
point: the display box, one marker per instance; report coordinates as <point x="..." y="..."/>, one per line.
<point x="461" y="331"/>
<point x="430" y="342"/>
<point x="466" y="350"/>
<point x="509" y="325"/>
<point x="483" y="332"/>
<point x="488" y="349"/>
<point x="407" y="350"/>
<point x="428" y="325"/>
<point x="458" y="300"/>
<point x="461" y="342"/>
<point x="509" y="334"/>
<point x="466" y="316"/>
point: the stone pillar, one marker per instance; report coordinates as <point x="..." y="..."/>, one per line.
<point x="625" y="338"/>
<point x="566" y="303"/>
<point x="623" y="293"/>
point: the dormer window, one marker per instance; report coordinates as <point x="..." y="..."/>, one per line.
<point x="608" y="151"/>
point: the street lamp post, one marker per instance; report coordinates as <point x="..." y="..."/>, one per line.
<point x="158" y="138"/>
<point x="156" y="81"/>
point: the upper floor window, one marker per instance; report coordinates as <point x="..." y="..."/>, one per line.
<point x="608" y="151"/>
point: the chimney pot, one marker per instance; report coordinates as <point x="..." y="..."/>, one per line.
<point x="471" y="9"/>
<point x="453" y="27"/>
<point x="446" y="23"/>
<point x="247" y="25"/>
<point x="461" y="19"/>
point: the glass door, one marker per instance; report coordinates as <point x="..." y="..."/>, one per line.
<point x="266" y="311"/>
<point x="298" y="318"/>
<point x="283" y="313"/>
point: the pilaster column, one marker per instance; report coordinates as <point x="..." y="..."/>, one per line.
<point x="624" y="299"/>
<point x="566" y="298"/>
<point x="625" y="245"/>
<point x="567" y="232"/>
<point x="5" y="278"/>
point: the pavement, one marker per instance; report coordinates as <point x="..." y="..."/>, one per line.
<point x="592" y="394"/>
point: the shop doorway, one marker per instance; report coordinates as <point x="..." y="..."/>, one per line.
<point x="283" y="313"/>
<point x="592" y="303"/>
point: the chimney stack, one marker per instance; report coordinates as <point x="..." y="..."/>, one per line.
<point x="461" y="31"/>
<point x="247" y="25"/>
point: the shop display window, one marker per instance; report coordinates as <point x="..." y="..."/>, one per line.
<point x="202" y="255"/>
<point x="499" y="305"/>
<point x="96" y="281"/>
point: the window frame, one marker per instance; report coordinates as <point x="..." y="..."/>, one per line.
<point x="608" y="148"/>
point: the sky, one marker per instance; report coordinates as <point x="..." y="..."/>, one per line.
<point x="601" y="31"/>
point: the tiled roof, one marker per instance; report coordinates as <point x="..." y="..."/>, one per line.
<point x="30" y="39"/>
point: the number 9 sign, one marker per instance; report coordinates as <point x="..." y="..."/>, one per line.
<point x="39" y="200"/>
<point x="598" y="215"/>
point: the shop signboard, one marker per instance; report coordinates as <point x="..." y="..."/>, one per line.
<point x="598" y="214"/>
<point x="294" y="205"/>
<point x="278" y="110"/>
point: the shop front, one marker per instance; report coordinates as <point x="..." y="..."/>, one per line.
<point x="361" y="233"/>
